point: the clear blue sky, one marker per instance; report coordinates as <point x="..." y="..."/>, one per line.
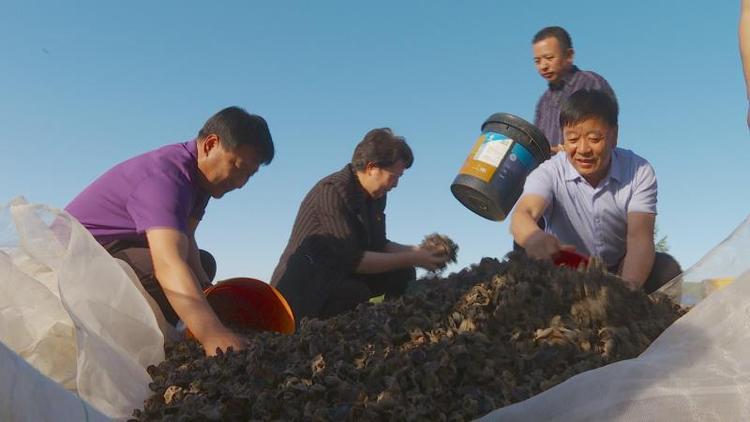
<point x="85" y="85"/>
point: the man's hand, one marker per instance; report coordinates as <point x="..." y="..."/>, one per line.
<point x="429" y="259"/>
<point x="631" y="285"/>
<point x="169" y="251"/>
<point x="544" y="246"/>
<point x="222" y="339"/>
<point x="406" y="256"/>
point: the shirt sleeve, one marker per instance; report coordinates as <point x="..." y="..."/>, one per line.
<point x="160" y="201"/>
<point x="541" y="182"/>
<point x="643" y="198"/>
<point x="598" y="82"/>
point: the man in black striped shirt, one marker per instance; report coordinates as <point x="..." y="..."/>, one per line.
<point x="338" y="254"/>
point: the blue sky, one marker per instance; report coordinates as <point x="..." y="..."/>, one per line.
<point x="84" y="87"/>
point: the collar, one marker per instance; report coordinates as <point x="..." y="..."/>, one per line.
<point x="565" y="79"/>
<point x="359" y="190"/>
<point x="197" y="177"/>
<point x="352" y="190"/>
<point x="570" y="174"/>
<point x="359" y="202"/>
<point x="192" y="148"/>
<point x="616" y="170"/>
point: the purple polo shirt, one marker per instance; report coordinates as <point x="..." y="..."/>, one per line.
<point x="158" y="189"/>
<point x="594" y="219"/>
<point x="547" y="116"/>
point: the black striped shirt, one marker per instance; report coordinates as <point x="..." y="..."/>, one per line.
<point x="336" y="223"/>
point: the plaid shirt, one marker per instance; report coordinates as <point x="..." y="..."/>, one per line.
<point x="547" y="117"/>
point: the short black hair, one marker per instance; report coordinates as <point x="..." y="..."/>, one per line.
<point x="382" y="148"/>
<point x="234" y="126"/>
<point x="586" y="104"/>
<point x="554" y="32"/>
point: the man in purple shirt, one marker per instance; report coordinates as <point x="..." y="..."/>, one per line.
<point x="596" y="198"/>
<point x="145" y="211"/>
<point x="553" y="58"/>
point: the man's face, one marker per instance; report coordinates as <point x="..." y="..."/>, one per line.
<point x="589" y="146"/>
<point x="226" y="170"/>
<point x="551" y="61"/>
<point x="380" y="180"/>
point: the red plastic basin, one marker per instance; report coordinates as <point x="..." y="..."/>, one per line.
<point x="570" y="259"/>
<point x="249" y="303"/>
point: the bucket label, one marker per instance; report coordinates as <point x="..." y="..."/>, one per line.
<point x="486" y="156"/>
<point x="493" y="148"/>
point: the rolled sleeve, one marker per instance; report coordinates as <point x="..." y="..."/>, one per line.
<point x="644" y="190"/>
<point x="541" y="182"/>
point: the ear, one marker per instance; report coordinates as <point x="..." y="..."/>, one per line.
<point x="569" y="56"/>
<point x="370" y="166"/>
<point x="210" y="142"/>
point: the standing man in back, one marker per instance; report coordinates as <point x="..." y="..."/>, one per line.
<point x="553" y="58"/>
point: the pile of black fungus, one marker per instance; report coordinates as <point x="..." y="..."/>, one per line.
<point x="454" y="349"/>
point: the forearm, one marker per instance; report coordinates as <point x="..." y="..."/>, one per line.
<point x="397" y="247"/>
<point x="523" y="226"/>
<point x="638" y="261"/>
<point x="381" y="262"/>
<point x="188" y="300"/>
<point x="194" y="260"/>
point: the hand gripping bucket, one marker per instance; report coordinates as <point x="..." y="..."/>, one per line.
<point x="492" y="177"/>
